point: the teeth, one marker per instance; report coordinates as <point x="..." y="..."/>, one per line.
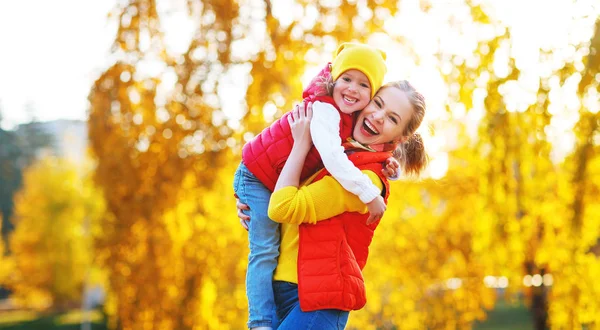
<point x="349" y="100"/>
<point x="371" y="128"/>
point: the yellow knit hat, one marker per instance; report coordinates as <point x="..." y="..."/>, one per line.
<point x="361" y="57"/>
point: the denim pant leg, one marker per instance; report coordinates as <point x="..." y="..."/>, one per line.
<point x="291" y="317"/>
<point x="264" y="241"/>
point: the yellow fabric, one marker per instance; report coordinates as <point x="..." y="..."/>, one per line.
<point x="310" y="203"/>
<point x="361" y="57"/>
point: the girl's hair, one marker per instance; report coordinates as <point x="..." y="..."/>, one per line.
<point x="411" y="154"/>
<point x="325" y="86"/>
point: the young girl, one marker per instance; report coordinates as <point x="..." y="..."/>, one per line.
<point x="357" y="72"/>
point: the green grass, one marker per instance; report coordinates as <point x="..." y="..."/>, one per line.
<point x="506" y="316"/>
<point x="23" y="320"/>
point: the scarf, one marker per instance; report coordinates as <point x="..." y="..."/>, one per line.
<point x="351" y="145"/>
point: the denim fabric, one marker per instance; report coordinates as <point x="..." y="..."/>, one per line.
<point x="263" y="235"/>
<point x="292" y="317"/>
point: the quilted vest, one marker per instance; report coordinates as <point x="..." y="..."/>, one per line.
<point x="333" y="252"/>
<point x="267" y="152"/>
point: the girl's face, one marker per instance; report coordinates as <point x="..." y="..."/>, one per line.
<point x="352" y="91"/>
<point x="385" y="118"/>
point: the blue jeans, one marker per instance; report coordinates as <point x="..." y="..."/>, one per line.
<point x="263" y="235"/>
<point x="292" y="317"/>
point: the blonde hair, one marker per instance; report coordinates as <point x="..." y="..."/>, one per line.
<point x="325" y="85"/>
<point x="411" y="153"/>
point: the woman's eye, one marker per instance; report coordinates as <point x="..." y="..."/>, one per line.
<point x="378" y="104"/>
<point x="394" y="120"/>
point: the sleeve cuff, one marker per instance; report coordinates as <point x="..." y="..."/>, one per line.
<point x="369" y="194"/>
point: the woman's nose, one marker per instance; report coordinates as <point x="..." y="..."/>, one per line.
<point x="378" y="115"/>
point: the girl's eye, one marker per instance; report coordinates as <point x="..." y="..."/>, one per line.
<point x="346" y="79"/>
<point x="364" y="85"/>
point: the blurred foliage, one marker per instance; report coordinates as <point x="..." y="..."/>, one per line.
<point x="166" y="151"/>
<point x="51" y="246"/>
<point x="18" y="149"/>
<point x="6" y="265"/>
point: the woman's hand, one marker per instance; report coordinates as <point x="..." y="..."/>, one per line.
<point x="299" y="121"/>
<point x="243" y="217"/>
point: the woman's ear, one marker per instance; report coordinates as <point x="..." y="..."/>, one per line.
<point x="402" y="139"/>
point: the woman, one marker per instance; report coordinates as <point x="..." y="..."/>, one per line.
<point x="324" y="235"/>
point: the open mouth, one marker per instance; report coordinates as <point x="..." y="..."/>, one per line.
<point x="349" y="100"/>
<point x="369" y="128"/>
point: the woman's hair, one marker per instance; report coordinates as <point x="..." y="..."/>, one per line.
<point x="411" y="153"/>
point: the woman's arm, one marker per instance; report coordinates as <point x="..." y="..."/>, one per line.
<point x="317" y="201"/>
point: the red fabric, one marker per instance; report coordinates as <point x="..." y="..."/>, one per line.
<point x="333" y="252"/>
<point x="266" y="154"/>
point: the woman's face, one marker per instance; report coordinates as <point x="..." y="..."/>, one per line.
<point x="385" y="118"/>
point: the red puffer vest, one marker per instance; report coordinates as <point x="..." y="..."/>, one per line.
<point x="266" y="154"/>
<point x="333" y="252"/>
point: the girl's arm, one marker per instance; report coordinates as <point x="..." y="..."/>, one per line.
<point x="320" y="200"/>
<point x="299" y="121"/>
<point x="325" y="131"/>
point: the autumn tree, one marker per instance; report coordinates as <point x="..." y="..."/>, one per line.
<point x="504" y="205"/>
<point x="6" y="264"/>
<point x="576" y="263"/>
<point x="18" y="149"/>
<point x="51" y="245"/>
<point x="522" y="183"/>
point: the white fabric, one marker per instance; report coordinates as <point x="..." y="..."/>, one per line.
<point x="325" y="132"/>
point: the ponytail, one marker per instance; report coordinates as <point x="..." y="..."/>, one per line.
<point x="411" y="155"/>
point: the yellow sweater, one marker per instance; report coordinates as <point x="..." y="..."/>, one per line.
<point x="310" y="203"/>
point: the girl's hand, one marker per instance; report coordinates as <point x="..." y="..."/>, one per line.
<point x="376" y="209"/>
<point x="299" y="121"/>
<point x="390" y="169"/>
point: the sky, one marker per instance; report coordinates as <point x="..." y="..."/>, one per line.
<point x="52" y="51"/>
